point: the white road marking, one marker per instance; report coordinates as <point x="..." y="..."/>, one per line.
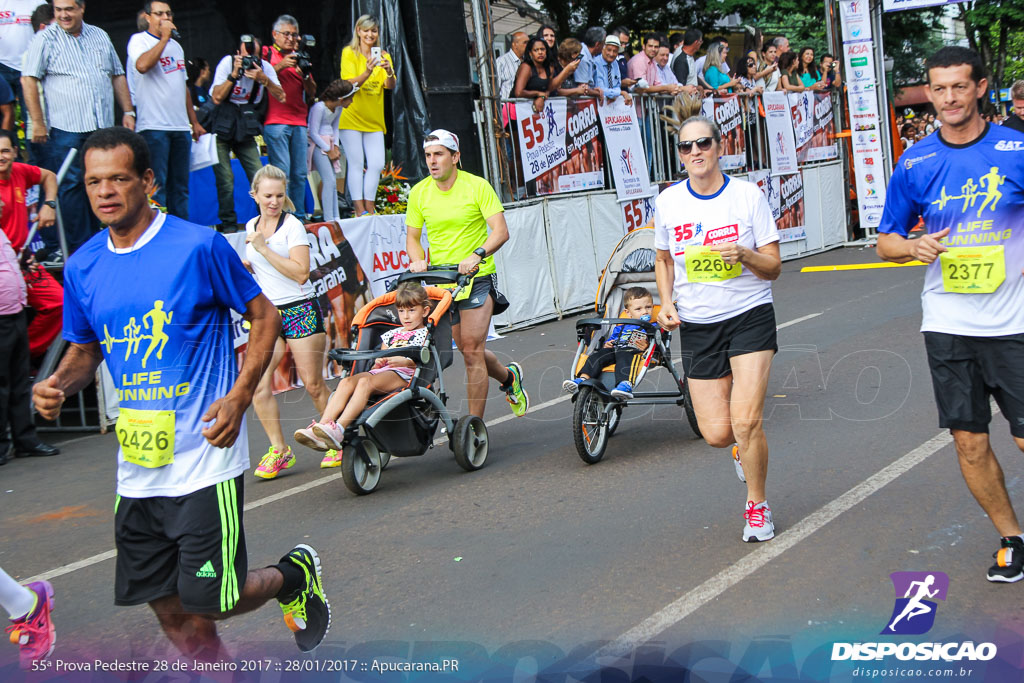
<point x="764" y="553"/>
<point x="66" y="569"/>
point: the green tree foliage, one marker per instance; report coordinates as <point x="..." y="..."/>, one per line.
<point x="993" y="27"/>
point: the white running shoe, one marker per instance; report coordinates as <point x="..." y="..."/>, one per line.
<point x="759" y="525"/>
<point x="310" y="440"/>
<point x="736" y="462"/>
<point x="330" y="433"/>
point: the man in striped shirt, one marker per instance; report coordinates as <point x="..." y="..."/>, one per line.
<point x="80" y="73"/>
<point x="508" y="64"/>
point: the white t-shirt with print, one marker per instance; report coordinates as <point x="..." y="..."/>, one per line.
<point x="15" y="30"/>
<point x="159" y="94"/>
<point x="278" y="287"/>
<point x="243" y="88"/>
<point x="738" y="212"/>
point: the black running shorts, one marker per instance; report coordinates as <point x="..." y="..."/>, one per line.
<point x="708" y="347"/>
<point x="966" y="371"/>
<point x="192" y="546"/>
<point x="483" y="286"/>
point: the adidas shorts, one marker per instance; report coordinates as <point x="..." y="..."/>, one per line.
<point x="966" y="371"/>
<point x="483" y="287"/>
<point x="192" y="546"/>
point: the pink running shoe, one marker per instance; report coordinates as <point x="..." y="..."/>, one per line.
<point x="307" y="438"/>
<point x="332" y="458"/>
<point x="273" y="462"/>
<point x="331" y="433"/>
<point x="34" y="633"/>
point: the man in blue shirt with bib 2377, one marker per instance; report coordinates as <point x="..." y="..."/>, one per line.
<point x="151" y="295"/>
<point x="966" y="180"/>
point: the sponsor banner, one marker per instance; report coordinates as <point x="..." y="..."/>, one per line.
<point x="779" y="126"/>
<point x="379" y="246"/>
<point x="856" y="20"/>
<point x="625" y="149"/>
<point x="866" y="132"/>
<point x="639" y="213"/>
<point x="785" y="195"/>
<point x="583" y="167"/>
<point x="801" y="109"/>
<point x="541" y="137"/>
<point x="900" y="5"/>
<point x="791" y="200"/>
<point x="822" y="145"/>
<point x="727" y="112"/>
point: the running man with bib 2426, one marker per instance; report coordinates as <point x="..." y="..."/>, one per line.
<point x="967" y="181"/>
<point x="457" y="208"/>
<point x="183" y="447"/>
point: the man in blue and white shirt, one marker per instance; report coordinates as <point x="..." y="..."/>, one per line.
<point x="81" y="73"/>
<point x="607" y="78"/>
<point x="593" y="45"/>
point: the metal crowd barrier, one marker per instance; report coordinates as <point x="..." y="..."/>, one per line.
<point x="658" y="140"/>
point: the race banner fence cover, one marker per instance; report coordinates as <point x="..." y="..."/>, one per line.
<point x="727" y="112"/>
<point x="781" y="142"/>
<point x="625" y="149"/>
<point x="560" y="148"/>
<point x="785" y="195"/>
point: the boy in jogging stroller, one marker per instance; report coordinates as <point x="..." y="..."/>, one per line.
<point x="600" y="398"/>
<point x="392" y="398"/>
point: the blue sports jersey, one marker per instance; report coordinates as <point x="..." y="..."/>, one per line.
<point x="160" y="311"/>
<point x="976" y="190"/>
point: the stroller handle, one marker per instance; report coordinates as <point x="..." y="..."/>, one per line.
<point x="585" y="324"/>
<point x="349" y="355"/>
<point x="435" y="275"/>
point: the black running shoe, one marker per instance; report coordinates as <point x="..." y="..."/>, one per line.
<point x="307" y="612"/>
<point x="1009" y="566"/>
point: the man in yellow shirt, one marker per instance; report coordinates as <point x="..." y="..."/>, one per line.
<point x="457" y="208"/>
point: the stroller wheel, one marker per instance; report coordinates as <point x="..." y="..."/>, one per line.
<point x="590" y="425"/>
<point x="613" y="420"/>
<point x="469" y="441"/>
<point x="385" y="458"/>
<point x="361" y="466"/>
<point x="691" y="414"/>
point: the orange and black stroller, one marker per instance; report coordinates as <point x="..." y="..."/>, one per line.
<point x="403" y="422"/>
<point x="596" y="413"/>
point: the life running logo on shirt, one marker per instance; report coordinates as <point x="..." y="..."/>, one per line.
<point x="986" y="186"/>
<point x="134" y="333"/>
<point x="914" y="612"/>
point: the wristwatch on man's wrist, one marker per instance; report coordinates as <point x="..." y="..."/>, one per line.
<point x="481" y="252"/>
<point x="51" y="203"/>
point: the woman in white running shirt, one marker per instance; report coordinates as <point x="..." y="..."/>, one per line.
<point x="717" y="253"/>
<point x="277" y="253"/>
<point x="324" y="152"/>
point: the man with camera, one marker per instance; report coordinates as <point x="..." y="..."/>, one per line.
<point x="285" y="128"/>
<point x="166" y="118"/>
<point x="239" y="84"/>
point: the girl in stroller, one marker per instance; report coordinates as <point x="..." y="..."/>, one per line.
<point x="353" y="394"/>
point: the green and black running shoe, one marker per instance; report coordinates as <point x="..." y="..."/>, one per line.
<point x="516" y="395"/>
<point x="307" y="613"/>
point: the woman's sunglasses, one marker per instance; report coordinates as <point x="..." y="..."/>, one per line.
<point x="703" y="144"/>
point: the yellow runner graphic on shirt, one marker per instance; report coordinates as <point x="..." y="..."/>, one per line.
<point x="154" y="321"/>
<point x="146" y="436"/>
<point x="704" y="265"/>
<point x="973" y="270"/>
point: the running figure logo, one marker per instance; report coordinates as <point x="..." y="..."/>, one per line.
<point x="627" y="161"/>
<point x="914" y="613"/>
<point x="154" y="321"/>
<point x="987" y="186"/>
<point x="552" y="122"/>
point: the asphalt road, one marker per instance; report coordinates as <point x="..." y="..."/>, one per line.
<point x="635" y="563"/>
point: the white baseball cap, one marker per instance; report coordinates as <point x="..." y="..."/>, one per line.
<point x="444" y="138"/>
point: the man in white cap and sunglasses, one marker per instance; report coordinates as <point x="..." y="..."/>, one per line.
<point x="457" y="208"/>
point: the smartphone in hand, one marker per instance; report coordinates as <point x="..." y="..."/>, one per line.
<point x="375" y="53"/>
